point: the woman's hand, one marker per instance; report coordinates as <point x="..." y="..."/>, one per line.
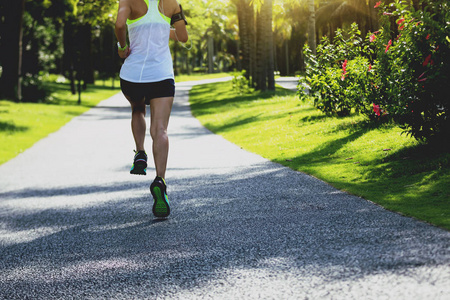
<point x="124" y="53"/>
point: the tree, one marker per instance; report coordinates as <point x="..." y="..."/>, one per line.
<point x="270" y="46"/>
<point x="257" y="47"/>
<point x="312" y="26"/>
<point x="11" y="49"/>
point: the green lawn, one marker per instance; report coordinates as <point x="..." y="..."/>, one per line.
<point x="375" y="162"/>
<point x="194" y="76"/>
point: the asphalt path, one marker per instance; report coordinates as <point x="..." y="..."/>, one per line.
<point x="74" y="224"/>
<point x="290" y="83"/>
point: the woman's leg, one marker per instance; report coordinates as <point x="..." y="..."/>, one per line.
<point x="138" y="124"/>
<point x="134" y="95"/>
<point x="160" y="109"/>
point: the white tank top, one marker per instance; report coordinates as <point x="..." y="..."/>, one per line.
<point x="150" y="59"/>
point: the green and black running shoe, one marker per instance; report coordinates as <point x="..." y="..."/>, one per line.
<point x="139" y="166"/>
<point x="161" y="207"/>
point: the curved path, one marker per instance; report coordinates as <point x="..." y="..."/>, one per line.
<point x="75" y="225"/>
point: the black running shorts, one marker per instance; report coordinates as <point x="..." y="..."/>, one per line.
<point x="137" y="91"/>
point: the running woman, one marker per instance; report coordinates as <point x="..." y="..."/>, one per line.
<point x="146" y="78"/>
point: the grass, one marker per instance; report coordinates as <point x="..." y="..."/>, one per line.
<point x="374" y="161"/>
<point x="199" y="76"/>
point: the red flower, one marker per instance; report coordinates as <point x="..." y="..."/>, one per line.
<point x="420" y="79"/>
<point x="372" y="38"/>
<point x="344" y="70"/>
<point x="370" y="67"/>
<point x="427" y="60"/>
<point x="388" y="46"/>
<point x="377" y="4"/>
<point x="401" y="27"/>
<point x="376" y="109"/>
<point x="428" y="37"/>
<point x="400" y="21"/>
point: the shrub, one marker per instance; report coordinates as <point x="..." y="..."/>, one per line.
<point x="338" y="76"/>
<point x="412" y="67"/>
<point x="240" y="83"/>
<point x="400" y="70"/>
<point x="33" y="89"/>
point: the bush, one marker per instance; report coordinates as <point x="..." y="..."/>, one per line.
<point x="412" y="50"/>
<point x="33" y="89"/>
<point x="338" y="77"/>
<point x="400" y="71"/>
<point x="240" y="83"/>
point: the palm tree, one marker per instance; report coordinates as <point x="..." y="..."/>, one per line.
<point x="264" y="43"/>
<point x="261" y="50"/>
<point x="243" y="11"/>
<point x="312" y="26"/>
<point x="270" y="46"/>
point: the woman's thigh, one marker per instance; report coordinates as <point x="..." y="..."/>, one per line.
<point x="160" y="109"/>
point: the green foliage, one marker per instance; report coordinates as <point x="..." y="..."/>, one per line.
<point x="33" y="89"/>
<point x="338" y="77"/>
<point x="400" y="71"/>
<point x="413" y="59"/>
<point x="240" y="83"/>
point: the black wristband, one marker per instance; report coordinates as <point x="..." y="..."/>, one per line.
<point x="178" y="17"/>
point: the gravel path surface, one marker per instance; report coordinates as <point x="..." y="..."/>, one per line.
<point x="75" y="225"/>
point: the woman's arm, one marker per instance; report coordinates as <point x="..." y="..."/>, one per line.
<point x="121" y="27"/>
<point x="180" y="33"/>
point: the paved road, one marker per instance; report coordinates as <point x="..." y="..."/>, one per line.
<point x="75" y="225"/>
<point x="290" y="83"/>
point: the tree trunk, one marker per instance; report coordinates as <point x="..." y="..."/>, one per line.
<point x="287" y="57"/>
<point x="244" y="36"/>
<point x="252" y="43"/>
<point x="86" y="53"/>
<point x="270" y="52"/>
<point x="312" y="27"/>
<point x="210" y="53"/>
<point x="11" y="55"/>
<point x="69" y="52"/>
<point x="261" y="57"/>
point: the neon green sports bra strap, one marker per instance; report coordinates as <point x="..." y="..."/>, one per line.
<point x="166" y="18"/>
<point x="135" y="20"/>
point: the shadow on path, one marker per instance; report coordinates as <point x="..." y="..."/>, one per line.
<point x="241" y="227"/>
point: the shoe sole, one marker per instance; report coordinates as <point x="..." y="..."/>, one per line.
<point x="161" y="208"/>
<point x="138" y="170"/>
